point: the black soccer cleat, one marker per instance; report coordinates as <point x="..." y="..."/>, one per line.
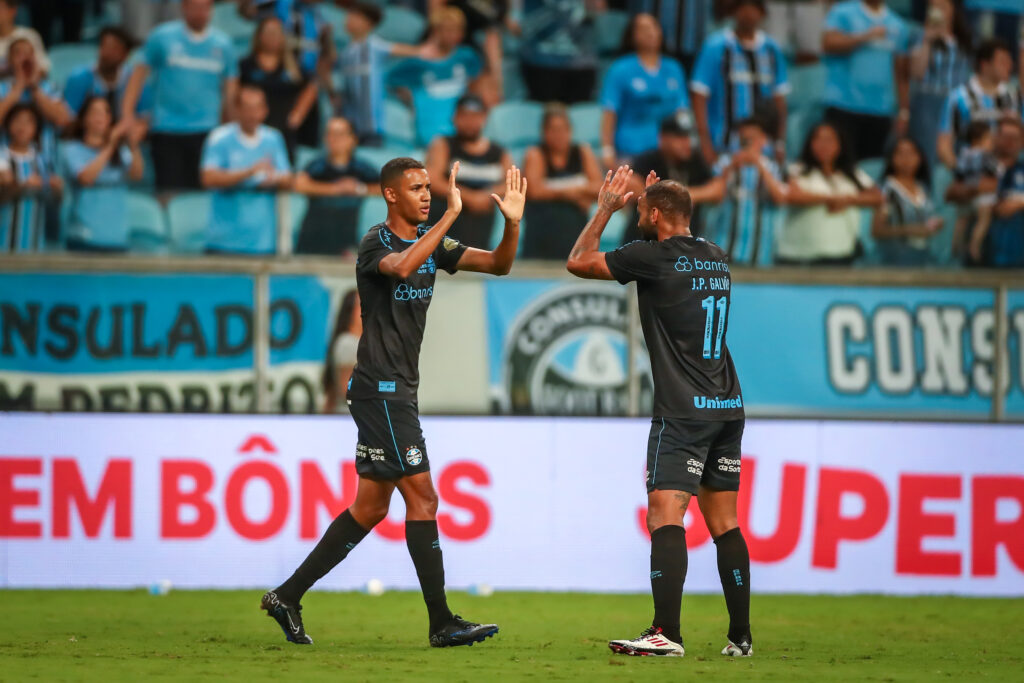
<point x="287" y="616"/>
<point x="458" y="631"/>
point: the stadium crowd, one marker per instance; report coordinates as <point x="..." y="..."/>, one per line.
<point x="809" y="132"/>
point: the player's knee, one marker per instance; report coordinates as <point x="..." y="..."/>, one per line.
<point x="423" y="505"/>
<point x="370" y="515"/>
<point x="720" y="524"/>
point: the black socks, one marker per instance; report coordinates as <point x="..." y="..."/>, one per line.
<point x="425" y="549"/>
<point x="734" y="570"/>
<point x="668" y="572"/>
<point x="341" y="536"/>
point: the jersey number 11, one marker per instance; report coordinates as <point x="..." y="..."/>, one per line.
<point x="710" y="305"/>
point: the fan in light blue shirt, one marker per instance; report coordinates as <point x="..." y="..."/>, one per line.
<point x="639" y="91"/>
<point x="99" y="165"/>
<point x="436" y="85"/>
<point x="860" y="73"/>
<point x="194" y="71"/>
<point x="108" y="77"/>
<point x="245" y="163"/>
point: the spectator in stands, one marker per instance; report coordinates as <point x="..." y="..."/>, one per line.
<point x="826" y="194"/>
<point x="976" y="166"/>
<point x="28" y="84"/>
<point x="867" y="74"/>
<point x="908" y="220"/>
<point x="437" y="78"/>
<point x="740" y="70"/>
<point x="1003" y="245"/>
<point x="44" y="15"/>
<point x="1002" y="19"/>
<point x="557" y="53"/>
<point x="639" y="91"/>
<point x="677" y="159"/>
<point x="797" y="25"/>
<point x="139" y="18"/>
<point x="485" y="22"/>
<point x="482" y="166"/>
<point x="10" y="31"/>
<point x="940" y="62"/>
<point x="684" y="25"/>
<point x="987" y="97"/>
<point x="309" y="33"/>
<point x="31" y="182"/>
<point x="290" y="92"/>
<point x="245" y="163"/>
<point x="195" y="77"/>
<point x="362" y="65"/>
<point x="108" y="78"/>
<point x="100" y="161"/>
<point x="564" y="180"/>
<point x="341" y="353"/>
<point x="335" y="184"/>
<point x="750" y="183"/>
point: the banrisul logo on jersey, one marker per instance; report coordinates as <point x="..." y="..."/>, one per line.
<point x="564" y="350"/>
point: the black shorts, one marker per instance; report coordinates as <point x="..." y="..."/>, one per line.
<point x="391" y="444"/>
<point x="176" y="160"/>
<point x="683" y="455"/>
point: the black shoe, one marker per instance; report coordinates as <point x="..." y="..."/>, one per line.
<point x="287" y="616"/>
<point x="458" y="631"/>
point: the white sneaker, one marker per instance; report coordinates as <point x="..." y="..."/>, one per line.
<point x="651" y="642"/>
<point x="741" y="649"/>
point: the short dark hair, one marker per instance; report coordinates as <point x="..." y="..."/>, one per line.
<point x="988" y="49"/>
<point x="249" y="87"/>
<point x="759" y="4"/>
<point x="368" y="10"/>
<point x="18" y="109"/>
<point x="396" y="168"/>
<point x="670" y="198"/>
<point x="976" y="130"/>
<point x="119" y="33"/>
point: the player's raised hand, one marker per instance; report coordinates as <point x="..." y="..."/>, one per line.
<point x="652" y="178"/>
<point x="613" y="195"/>
<point x="454" y="195"/>
<point x="514" y="201"/>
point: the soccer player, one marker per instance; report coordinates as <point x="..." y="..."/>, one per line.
<point x="395" y="270"/>
<point x="694" y="446"/>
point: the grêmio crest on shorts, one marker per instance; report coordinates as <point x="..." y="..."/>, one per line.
<point x="684" y="292"/>
<point x="394" y="315"/>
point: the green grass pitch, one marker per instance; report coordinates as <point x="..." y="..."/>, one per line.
<point x="131" y="635"/>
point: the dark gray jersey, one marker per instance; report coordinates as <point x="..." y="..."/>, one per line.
<point x="684" y="286"/>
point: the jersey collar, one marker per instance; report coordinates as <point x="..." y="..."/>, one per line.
<point x="759" y="38"/>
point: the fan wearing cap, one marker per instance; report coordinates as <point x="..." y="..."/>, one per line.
<point x="482" y="164"/>
<point x="676" y="158"/>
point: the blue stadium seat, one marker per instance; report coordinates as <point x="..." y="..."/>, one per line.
<point x="874" y="168"/>
<point x="304" y="155"/>
<point x="797" y="129"/>
<point x="401" y="25"/>
<point x="399" y="126"/>
<point x="335" y="17"/>
<point x="147" y="223"/>
<point x="515" y="124"/>
<point x="298" y="204"/>
<point x="187" y="218"/>
<point x="586" y="123"/>
<point x="378" y="156"/>
<point x="609" y="27"/>
<point x="611" y="238"/>
<point x="227" y="19"/>
<point x="515" y="88"/>
<point x="518" y="155"/>
<point x="64" y="59"/>
<point x="808" y="82"/>
<point x="373" y="211"/>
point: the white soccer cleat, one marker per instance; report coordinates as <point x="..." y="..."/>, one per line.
<point x="741" y="649"/>
<point x="651" y="643"/>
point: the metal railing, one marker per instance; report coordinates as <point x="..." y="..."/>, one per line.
<point x="262" y="268"/>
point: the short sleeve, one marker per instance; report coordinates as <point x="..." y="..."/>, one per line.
<point x="836" y="20"/>
<point x="634" y="261"/>
<point x="374" y="247"/>
<point x="448" y="253"/>
<point x="682" y="99"/>
<point x="152" y="50"/>
<point x="721" y="165"/>
<point x="281" y="162"/>
<point x="782" y="85"/>
<point x="863" y="178"/>
<point x="315" y="169"/>
<point x="405" y="74"/>
<point x="365" y="173"/>
<point x="611" y="92"/>
<point x="213" y="152"/>
<point x="75" y="157"/>
<point x="471" y="61"/>
<point x="705" y="73"/>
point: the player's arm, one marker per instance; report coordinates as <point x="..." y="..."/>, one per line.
<point x="586" y="260"/>
<point x="499" y="261"/>
<point x="400" y="265"/>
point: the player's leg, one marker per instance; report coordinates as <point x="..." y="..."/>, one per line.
<point x="675" y="460"/>
<point x="346" y="531"/>
<point x="423" y="541"/>
<point x="717" y="498"/>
